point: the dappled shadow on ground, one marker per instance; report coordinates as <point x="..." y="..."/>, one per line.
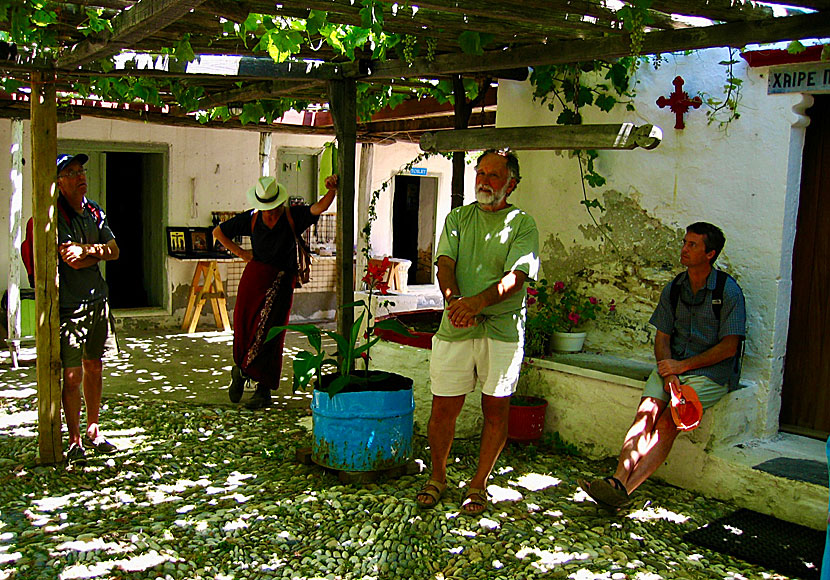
<point x="215" y="492"/>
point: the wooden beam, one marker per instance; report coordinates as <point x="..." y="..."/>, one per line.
<point x="486" y="119"/>
<point x="44" y="152"/>
<point x="128" y="28"/>
<point x="343" y="105"/>
<point x="252" y="92"/>
<point x="736" y="34"/>
<point x="611" y="136"/>
<point x="731" y="11"/>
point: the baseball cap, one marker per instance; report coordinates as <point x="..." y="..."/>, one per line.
<point x="686" y="409"/>
<point x="65" y="159"/>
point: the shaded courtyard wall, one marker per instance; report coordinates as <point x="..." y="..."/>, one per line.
<point x="744" y="179"/>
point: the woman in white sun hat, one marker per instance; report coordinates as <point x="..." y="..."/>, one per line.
<point x="266" y="289"/>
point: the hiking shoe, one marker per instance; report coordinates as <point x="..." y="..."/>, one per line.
<point x="75" y="454"/>
<point x="237" y="386"/>
<point x="260" y="399"/>
<point x="102" y="445"/>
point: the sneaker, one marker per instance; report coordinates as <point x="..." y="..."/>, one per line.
<point x="260" y="399"/>
<point x="237" y="386"/>
<point x="100" y="445"/>
<point x="75" y="454"/>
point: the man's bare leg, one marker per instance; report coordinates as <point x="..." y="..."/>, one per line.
<point x="93" y="391"/>
<point x="493" y="437"/>
<point x="647" y="445"/>
<point x="71" y="398"/>
<point x="440" y="433"/>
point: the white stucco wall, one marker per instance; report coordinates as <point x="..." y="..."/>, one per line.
<point x="388" y="162"/>
<point x="744" y="179"/>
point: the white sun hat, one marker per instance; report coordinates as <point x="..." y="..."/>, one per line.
<point x="267" y="194"/>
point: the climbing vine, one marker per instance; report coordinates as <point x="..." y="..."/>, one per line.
<point x="725" y="110"/>
<point x="571" y="87"/>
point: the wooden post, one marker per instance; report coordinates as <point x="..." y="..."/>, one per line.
<point x="364" y="184"/>
<point x="15" y="229"/>
<point x="265" y="154"/>
<point x="44" y="129"/>
<point x="461" y="120"/>
<point x="343" y="103"/>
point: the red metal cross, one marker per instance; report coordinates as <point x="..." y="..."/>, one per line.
<point x="679" y="102"/>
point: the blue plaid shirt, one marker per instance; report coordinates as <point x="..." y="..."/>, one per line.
<point x="694" y="328"/>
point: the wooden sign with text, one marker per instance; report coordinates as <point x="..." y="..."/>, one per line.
<point x="803" y="78"/>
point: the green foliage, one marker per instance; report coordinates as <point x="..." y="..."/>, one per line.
<point x="95" y="24"/>
<point x="559" y="307"/>
<point x="725" y="110"/>
<point x="472" y="42"/>
<point x="187" y="97"/>
<point x="182" y="51"/>
<point x="795" y="47"/>
<point x="308" y="364"/>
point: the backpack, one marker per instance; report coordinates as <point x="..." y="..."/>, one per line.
<point x="717" y="307"/>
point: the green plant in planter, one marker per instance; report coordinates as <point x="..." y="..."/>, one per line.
<point x="557" y="307"/>
<point x="308" y="365"/>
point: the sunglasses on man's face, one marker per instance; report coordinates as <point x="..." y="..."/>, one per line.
<point x="73" y="174"/>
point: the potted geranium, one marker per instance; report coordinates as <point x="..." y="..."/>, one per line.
<point x="557" y="314"/>
<point x="361" y="419"/>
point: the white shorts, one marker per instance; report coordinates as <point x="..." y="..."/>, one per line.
<point x="455" y="367"/>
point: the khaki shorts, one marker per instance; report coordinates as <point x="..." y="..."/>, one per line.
<point x="708" y="391"/>
<point x="455" y="367"/>
<point x="84" y="333"/>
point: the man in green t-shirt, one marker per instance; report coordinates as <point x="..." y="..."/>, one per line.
<point x="486" y="252"/>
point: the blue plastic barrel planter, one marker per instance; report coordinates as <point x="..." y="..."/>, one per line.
<point x="363" y="430"/>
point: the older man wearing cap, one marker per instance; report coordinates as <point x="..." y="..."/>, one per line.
<point x="700" y="322"/>
<point x="84" y="239"/>
<point x="266" y="290"/>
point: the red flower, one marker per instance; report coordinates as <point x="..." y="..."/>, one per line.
<point x="532" y="291"/>
<point x="558" y="286"/>
<point x="592" y="300"/>
<point x="531" y="301"/>
<point x="574" y="318"/>
<point x="612" y="307"/>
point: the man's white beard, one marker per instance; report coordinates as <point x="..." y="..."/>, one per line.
<point x="486" y="196"/>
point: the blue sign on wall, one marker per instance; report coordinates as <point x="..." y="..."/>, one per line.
<point x="418" y="171"/>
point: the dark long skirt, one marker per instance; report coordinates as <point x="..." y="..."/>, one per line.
<point x="263" y="301"/>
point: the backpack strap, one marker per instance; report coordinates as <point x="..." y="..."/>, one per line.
<point x="717" y="294"/>
<point x="290" y="220"/>
<point x="674" y="293"/>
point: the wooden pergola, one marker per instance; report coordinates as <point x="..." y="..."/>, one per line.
<point x="509" y="38"/>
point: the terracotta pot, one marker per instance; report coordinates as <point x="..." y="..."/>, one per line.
<point x="526" y="421"/>
<point x="567" y="341"/>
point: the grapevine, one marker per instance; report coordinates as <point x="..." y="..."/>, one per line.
<point x="409" y="51"/>
<point x="431" y="46"/>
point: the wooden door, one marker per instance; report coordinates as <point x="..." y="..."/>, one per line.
<point x="805" y="398"/>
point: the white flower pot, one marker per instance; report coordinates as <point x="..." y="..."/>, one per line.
<point x="567" y="341"/>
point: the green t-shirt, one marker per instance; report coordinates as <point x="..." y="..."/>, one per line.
<point x="485" y="245"/>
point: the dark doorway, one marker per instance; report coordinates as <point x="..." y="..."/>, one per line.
<point x="805" y="397"/>
<point x="413" y="225"/>
<point x="133" y="211"/>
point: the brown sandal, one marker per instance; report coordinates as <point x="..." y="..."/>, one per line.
<point x="475" y="498"/>
<point x="435" y="490"/>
